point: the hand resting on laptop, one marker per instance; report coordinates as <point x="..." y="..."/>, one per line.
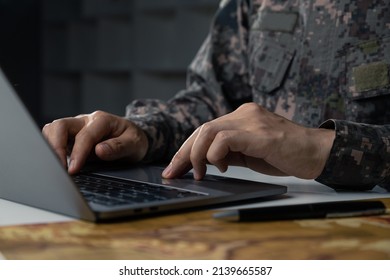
<point x="107" y="136"/>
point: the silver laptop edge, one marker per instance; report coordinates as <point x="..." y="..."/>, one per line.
<point x="30" y="172"/>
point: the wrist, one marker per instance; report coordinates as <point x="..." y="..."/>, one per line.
<point x="325" y="140"/>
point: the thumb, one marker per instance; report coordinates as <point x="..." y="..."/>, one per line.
<point x="122" y="147"/>
<point x="112" y="149"/>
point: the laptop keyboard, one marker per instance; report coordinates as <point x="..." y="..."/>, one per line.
<point x="114" y="192"/>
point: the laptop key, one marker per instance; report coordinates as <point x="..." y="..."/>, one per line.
<point x="111" y="192"/>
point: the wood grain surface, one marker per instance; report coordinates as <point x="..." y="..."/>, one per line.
<point x="197" y="235"/>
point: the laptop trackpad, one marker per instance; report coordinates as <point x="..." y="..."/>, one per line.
<point x="210" y="184"/>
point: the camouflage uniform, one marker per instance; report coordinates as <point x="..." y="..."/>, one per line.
<point x="317" y="62"/>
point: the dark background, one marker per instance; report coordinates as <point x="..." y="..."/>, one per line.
<point x="66" y="57"/>
<point x="20" y="37"/>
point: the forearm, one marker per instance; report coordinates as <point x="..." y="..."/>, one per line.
<point x="168" y="124"/>
<point x="360" y="156"/>
<point x="216" y="84"/>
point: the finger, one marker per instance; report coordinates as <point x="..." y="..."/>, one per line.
<point x="180" y="163"/>
<point x="92" y="133"/>
<point x="129" y="144"/>
<point x="236" y="148"/>
<point x="199" y="149"/>
<point x="204" y="139"/>
<point x="225" y="150"/>
<point x="59" y="133"/>
<point x="191" y="155"/>
<point x="218" y="152"/>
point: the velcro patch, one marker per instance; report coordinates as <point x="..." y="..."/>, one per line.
<point x="275" y="21"/>
<point x="371" y="76"/>
<point x="369" y="47"/>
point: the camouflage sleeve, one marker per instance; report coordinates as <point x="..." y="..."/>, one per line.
<point x="360" y="157"/>
<point x="216" y="82"/>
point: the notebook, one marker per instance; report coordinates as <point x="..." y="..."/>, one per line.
<point x="31" y="174"/>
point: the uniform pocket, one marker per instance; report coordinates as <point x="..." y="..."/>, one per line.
<point x="367" y="69"/>
<point x="269" y="63"/>
<point x="367" y="82"/>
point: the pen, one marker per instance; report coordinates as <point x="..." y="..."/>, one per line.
<point x="337" y="209"/>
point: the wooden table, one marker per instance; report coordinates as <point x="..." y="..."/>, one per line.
<point x="197" y="235"/>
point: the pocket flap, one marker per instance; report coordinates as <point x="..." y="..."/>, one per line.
<point x="269" y="66"/>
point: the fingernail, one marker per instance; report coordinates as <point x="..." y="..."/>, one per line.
<point x="167" y="171"/>
<point x="71" y="165"/>
<point x="196" y="174"/>
<point x="222" y="168"/>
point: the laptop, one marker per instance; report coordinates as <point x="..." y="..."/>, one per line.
<point x="31" y="174"/>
